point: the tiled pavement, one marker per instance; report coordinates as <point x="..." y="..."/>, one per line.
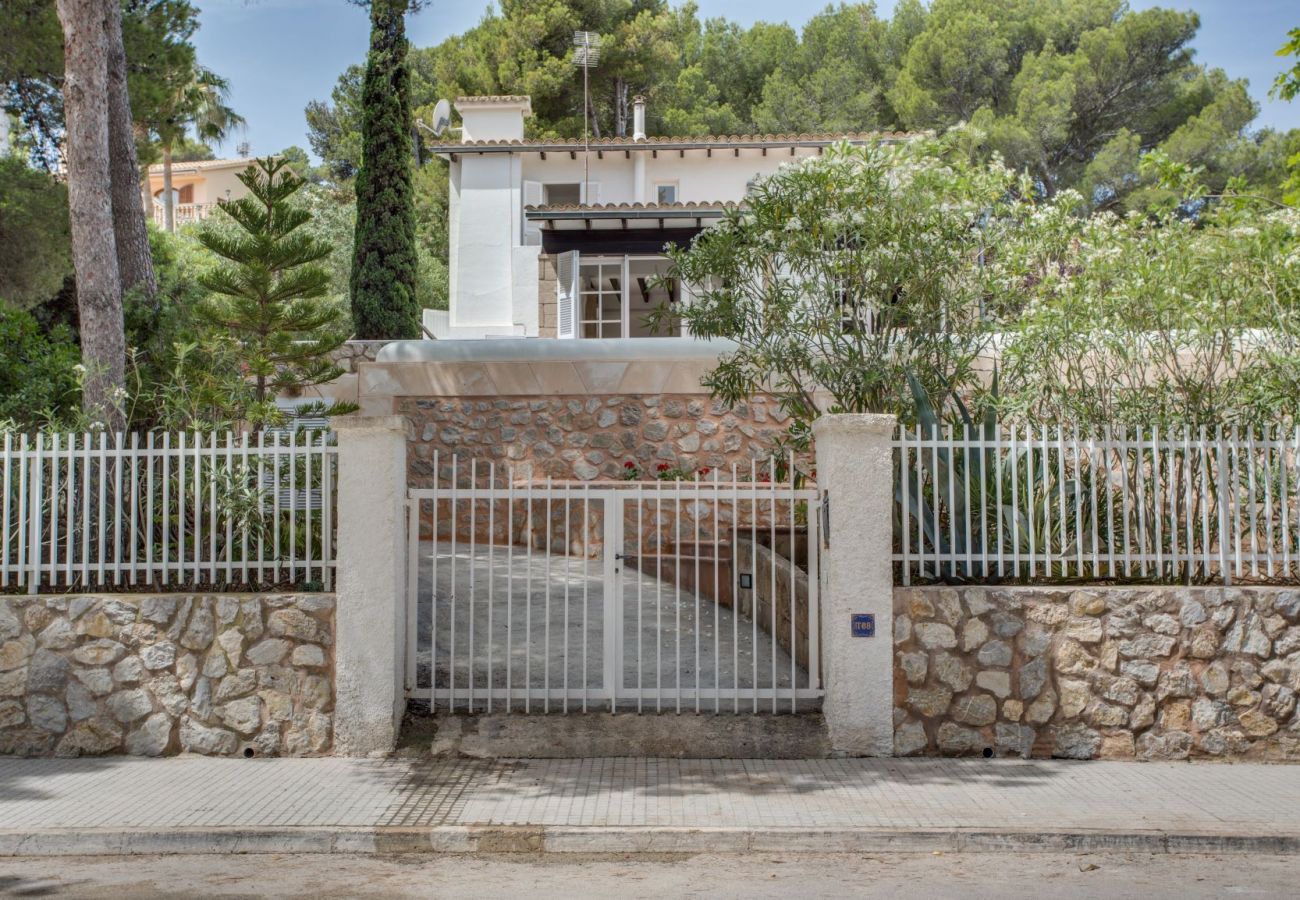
<point x="1019" y="796"/>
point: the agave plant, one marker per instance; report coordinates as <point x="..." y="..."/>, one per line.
<point x="984" y="512"/>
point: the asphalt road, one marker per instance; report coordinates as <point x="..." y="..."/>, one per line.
<point x="966" y="876"/>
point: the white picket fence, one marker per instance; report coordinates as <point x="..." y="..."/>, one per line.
<point x="167" y="510"/>
<point x="1044" y="504"/>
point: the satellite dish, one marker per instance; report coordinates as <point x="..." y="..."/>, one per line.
<point x="441" y="117"/>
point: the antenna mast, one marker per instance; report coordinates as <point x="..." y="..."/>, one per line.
<point x="586" y="56"/>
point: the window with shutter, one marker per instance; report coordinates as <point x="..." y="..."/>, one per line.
<point x="566" y="285"/>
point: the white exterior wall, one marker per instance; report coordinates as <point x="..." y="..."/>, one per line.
<point x="216" y="183"/>
<point x="700" y="178"/>
<point x="493" y="276"/>
<point x="487" y="261"/>
<point x="497" y="122"/>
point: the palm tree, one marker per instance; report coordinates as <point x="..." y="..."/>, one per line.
<point x="200" y="102"/>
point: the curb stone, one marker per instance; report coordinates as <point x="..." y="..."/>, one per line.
<point x="493" y="839"/>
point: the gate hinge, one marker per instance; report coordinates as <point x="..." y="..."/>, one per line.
<point x="826" y="518"/>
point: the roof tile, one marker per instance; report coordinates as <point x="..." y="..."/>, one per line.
<point x="673" y="142"/>
<point x="178" y="167"/>
<point x="685" y="206"/>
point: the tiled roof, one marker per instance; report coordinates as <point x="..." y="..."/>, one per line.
<point x="691" y="206"/>
<point x="493" y="98"/>
<point x="684" y="142"/>
<point x="177" y="167"/>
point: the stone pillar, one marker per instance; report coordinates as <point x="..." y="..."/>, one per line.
<point x="855" y="469"/>
<point x="371" y="583"/>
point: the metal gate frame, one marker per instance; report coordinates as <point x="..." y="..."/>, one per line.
<point x="612" y="693"/>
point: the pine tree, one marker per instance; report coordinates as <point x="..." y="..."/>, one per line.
<point x="384" y="303"/>
<point x="267" y="295"/>
<point x="94" y="252"/>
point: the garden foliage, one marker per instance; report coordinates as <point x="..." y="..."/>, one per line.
<point x="384" y="266"/>
<point x="266" y="294"/>
<point x="860" y="280"/>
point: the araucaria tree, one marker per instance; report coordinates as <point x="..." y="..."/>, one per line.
<point x="268" y="293"/>
<point x="383" y="287"/>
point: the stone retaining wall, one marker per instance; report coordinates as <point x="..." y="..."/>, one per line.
<point x="588" y="438"/>
<point x="1097" y="672"/>
<point x="351" y="354"/>
<point x="159" y="674"/>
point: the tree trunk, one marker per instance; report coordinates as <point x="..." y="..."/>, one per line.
<point x="135" y="265"/>
<point x="169" y="207"/>
<point x="90" y="207"/>
<point x="591" y="115"/>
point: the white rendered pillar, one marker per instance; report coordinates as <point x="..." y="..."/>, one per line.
<point x="370" y="620"/>
<point x="855" y="469"/>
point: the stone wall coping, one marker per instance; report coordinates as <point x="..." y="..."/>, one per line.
<point x="537" y="350"/>
<point x="369" y="423"/>
<point x="873" y="424"/>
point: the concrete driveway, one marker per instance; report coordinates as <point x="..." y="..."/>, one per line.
<point x="541" y="618"/>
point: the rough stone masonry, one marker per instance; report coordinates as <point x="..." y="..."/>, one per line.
<point x="589" y="438"/>
<point x="152" y="675"/>
<point x="1097" y="672"/>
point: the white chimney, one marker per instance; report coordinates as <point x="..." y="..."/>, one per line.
<point x="498" y="118"/>
<point x="638" y="118"/>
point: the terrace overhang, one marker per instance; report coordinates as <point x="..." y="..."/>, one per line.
<point x="622" y="227"/>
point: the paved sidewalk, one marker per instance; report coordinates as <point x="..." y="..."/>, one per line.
<point x="198" y="804"/>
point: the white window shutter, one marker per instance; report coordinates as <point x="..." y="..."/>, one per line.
<point x="530" y="233"/>
<point x="593" y="193"/>
<point x="566" y="287"/>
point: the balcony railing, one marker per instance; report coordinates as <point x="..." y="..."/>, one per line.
<point x="183" y="213"/>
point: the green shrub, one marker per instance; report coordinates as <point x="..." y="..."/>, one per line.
<point x="39" y="372"/>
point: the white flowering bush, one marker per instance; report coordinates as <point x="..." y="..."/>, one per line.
<point x="1167" y="320"/>
<point x="844" y="274"/>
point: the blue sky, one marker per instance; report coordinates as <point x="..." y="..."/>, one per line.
<point x="279" y="54"/>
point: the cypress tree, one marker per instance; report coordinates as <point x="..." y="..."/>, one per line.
<point x="384" y="303"/>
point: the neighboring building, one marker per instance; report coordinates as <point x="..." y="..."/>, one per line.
<point x="196" y="186"/>
<point x="547" y="240"/>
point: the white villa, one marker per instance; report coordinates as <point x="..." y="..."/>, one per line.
<point x="548" y="239"/>
<point x="196" y="188"/>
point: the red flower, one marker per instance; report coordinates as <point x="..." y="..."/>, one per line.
<point x="813" y="474"/>
<point x="704" y="471"/>
<point x="662" y="467"/>
<point x="629" y="465"/>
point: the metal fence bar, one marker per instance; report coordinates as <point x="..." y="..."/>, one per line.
<point x="97" y="511"/>
<point x="1045" y="504"/>
<point x="680" y="531"/>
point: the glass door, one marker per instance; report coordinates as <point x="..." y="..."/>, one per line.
<point x="601" y="281"/>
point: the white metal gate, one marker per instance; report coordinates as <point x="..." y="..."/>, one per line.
<point x="530" y="595"/>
